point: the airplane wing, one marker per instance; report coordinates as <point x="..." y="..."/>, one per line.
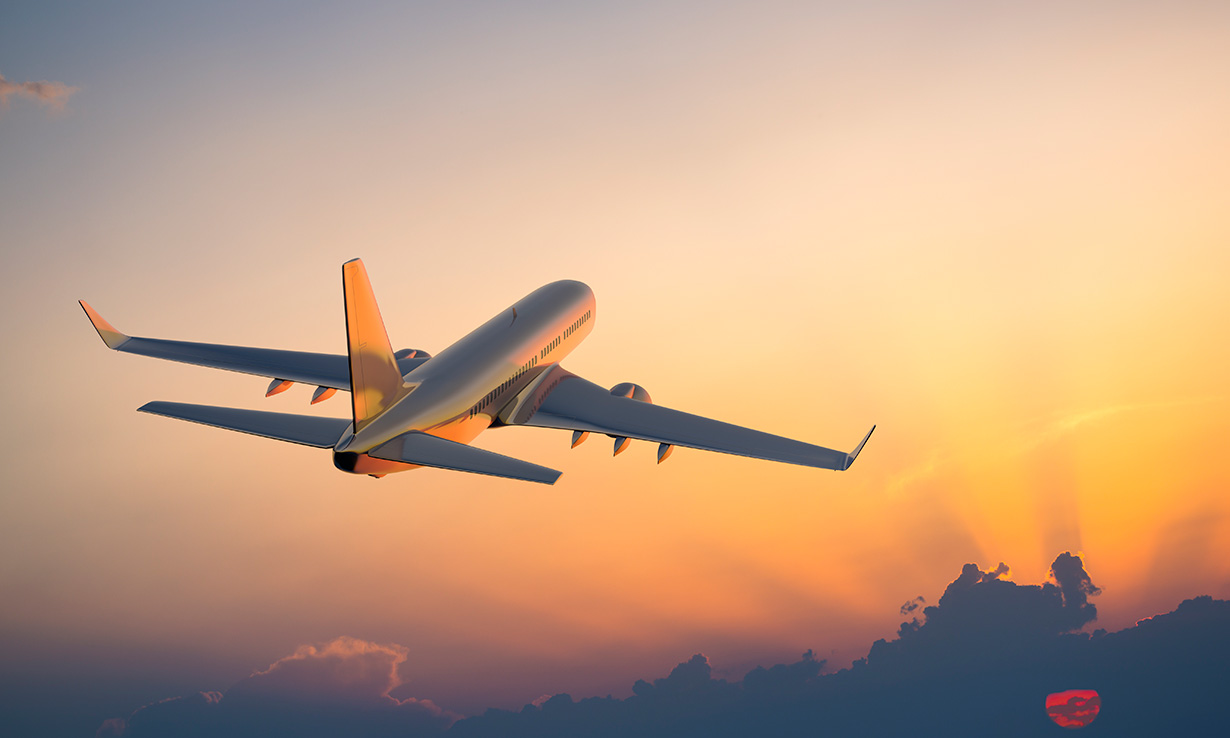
<point x="324" y="370"/>
<point x="564" y="400"/>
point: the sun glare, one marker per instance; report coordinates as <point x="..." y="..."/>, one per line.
<point x="1073" y="708"/>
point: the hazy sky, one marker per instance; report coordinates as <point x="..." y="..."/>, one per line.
<point x="997" y="230"/>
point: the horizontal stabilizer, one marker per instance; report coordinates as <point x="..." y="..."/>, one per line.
<point x="308" y="430"/>
<point x="423" y="449"/>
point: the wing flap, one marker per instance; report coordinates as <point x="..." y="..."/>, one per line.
<point x="308" y="430"/>
<point x="424" y="449"/>
<point x="573" y="403"/>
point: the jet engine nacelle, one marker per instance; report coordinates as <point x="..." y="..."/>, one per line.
<point x="640" y="394"/>
<point x="631" y="391"/>
<point x="412" y="354"/>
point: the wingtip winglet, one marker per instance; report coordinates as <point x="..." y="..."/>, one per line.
<point x="107" y="332"/>
<point x="850" y="457"/>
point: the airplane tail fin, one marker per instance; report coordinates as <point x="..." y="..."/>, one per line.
<point x="375" y="381"/>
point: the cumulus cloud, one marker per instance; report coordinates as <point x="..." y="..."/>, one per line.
<point x="996" y="573"/>
<point x="692" y="677"/>
<point x="1077" y="587"/>
<point x="53" y="95"/>
<point x="784" y="680"/>
<point x="979" y="662"/>
<point x="336" y="688"/>
<point x="342" y="670"/>
<point x="913" y="605"/>
<point x="983" y="618"/>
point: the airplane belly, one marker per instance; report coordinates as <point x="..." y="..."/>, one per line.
<point x="355" y="463"/>
<point x="463" y="432"/>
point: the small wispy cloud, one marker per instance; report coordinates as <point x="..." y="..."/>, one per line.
<point x="1037" y="433"/>
<point x="53" y="95"/>
<point x="1059" y="427"/>
<point x="917" y="473"/>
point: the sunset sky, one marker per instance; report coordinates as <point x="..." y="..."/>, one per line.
<point x="998" y="231"/>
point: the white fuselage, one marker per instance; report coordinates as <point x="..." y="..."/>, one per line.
<point x="461" y="391"/>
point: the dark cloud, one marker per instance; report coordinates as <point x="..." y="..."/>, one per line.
<point x="1000" y="571"/>
<point x="1077" y="587"/>
<point x="330" y="689"/>
<point x="981" y="661"/>
<point x="783" y="681"/>
<point x="52" y="94"/>
<point x="982" y="609"/>
<point x="913" y="605"/>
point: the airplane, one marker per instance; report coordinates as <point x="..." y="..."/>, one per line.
<point x="410" y="409"/>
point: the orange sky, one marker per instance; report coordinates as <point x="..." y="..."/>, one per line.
<point x="1000" y="234"/>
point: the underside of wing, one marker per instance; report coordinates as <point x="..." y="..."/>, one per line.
<point x="566" y="401"/>
<point x="423" y="449"/>
<point x="324" y="370"/>
<point x="308" y="430"/>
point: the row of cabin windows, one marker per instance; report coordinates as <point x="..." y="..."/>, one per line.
<point x="490" y="398"/>
<point x="567" y="332"/>
<point x="529" y="365"/>
<point x="573" y="328"/>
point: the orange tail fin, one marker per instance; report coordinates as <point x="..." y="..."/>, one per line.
<point x="375" y="381"/>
